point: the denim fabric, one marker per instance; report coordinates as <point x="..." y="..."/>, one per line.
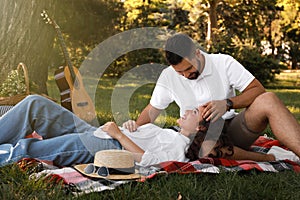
<point x="66" y="140"/>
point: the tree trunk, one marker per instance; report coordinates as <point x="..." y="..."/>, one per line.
<point x="294" y="54"/>
<point x="212" y="22"/>
<point x="25" y="38"/>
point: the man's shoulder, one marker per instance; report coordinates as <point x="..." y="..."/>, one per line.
<point x="219" y="59"/>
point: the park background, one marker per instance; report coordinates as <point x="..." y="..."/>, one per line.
<point x="263" y="35"/>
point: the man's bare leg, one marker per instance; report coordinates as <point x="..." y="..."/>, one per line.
<point x="268" y="108"/>
<point x="241" y="154"/>
<point x="238" y="153"/>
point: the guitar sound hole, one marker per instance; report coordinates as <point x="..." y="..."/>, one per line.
<point x="81" y="104"/>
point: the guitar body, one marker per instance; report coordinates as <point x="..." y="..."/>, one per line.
<point x="81" y="103"/>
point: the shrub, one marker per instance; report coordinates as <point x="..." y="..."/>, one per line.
<point x="262" y="67"/>
<point x="13" y="84"/>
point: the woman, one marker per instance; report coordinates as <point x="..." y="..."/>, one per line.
<point x="68" y="140"/>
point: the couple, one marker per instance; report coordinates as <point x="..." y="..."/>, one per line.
<point x="193" y="78"/>
<point x="67" y="143"/>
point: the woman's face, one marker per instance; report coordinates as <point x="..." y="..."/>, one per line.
<point x="189" y="122"/>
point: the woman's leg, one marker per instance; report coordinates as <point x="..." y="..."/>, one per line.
<point x="63" y="150"/>
<point x="36" y="113"/>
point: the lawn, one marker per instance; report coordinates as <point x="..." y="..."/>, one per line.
<point x="15" y="184"/>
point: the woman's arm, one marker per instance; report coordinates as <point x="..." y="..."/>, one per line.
<point x="113" y="130"/>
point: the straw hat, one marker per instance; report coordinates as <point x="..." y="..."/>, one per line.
<point x="110" y="164"/>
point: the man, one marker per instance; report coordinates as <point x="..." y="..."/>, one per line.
<point x="196" y="78"/>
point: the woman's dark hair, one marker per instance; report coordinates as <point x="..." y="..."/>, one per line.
<point x="223" y="142"/>
<point x="179" y="46"/>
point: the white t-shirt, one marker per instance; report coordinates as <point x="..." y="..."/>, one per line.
<point x="159" y="144"/>
<point x="222" y="75"/>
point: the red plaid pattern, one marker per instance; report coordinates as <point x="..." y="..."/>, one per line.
<point x="77" y="183"/>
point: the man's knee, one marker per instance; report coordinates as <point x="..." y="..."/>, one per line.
<point x="267" y="103"/>
<point x="262" y="107"/>
<point x="267" y="98"/>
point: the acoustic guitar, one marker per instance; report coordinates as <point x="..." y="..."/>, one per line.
<point x="69" y="81"/>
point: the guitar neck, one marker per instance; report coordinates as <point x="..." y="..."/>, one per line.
<point x="65" y="53"/>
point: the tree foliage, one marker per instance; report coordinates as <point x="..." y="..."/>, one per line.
<point x="290" y="29"/>
<point x="239" y="27"/>
<point x="266" y="31"/>
<point x="25" y="37"/>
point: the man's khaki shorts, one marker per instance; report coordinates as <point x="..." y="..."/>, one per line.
<point x="238" y="132"/>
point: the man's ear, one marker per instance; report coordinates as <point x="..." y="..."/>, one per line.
<point x="198" y="53"/>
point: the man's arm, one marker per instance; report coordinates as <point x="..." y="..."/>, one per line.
<point x="215" y="109"/>
<point x="243" y="100"/>
<point x="148" y="115"/>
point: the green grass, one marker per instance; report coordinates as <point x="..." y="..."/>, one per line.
<point x="210" y="186"/>
<point x="286" y="79"/>
<point x="15" y="184"/>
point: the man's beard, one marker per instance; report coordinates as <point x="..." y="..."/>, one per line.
<point x="194" y="75"/>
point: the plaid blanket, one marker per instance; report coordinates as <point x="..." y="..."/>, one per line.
<point x="78" y="184"/>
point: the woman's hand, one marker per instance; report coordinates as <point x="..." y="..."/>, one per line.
<point x="130" y="125"/>
<point x="112" y="129"/>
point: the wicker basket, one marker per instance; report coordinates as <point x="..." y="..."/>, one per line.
<point x="13" y="100"/>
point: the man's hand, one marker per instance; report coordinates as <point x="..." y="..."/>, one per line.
<point x="213" y="110"/>
<point x="112" y="129"/>
<point x="130" y="125"/>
